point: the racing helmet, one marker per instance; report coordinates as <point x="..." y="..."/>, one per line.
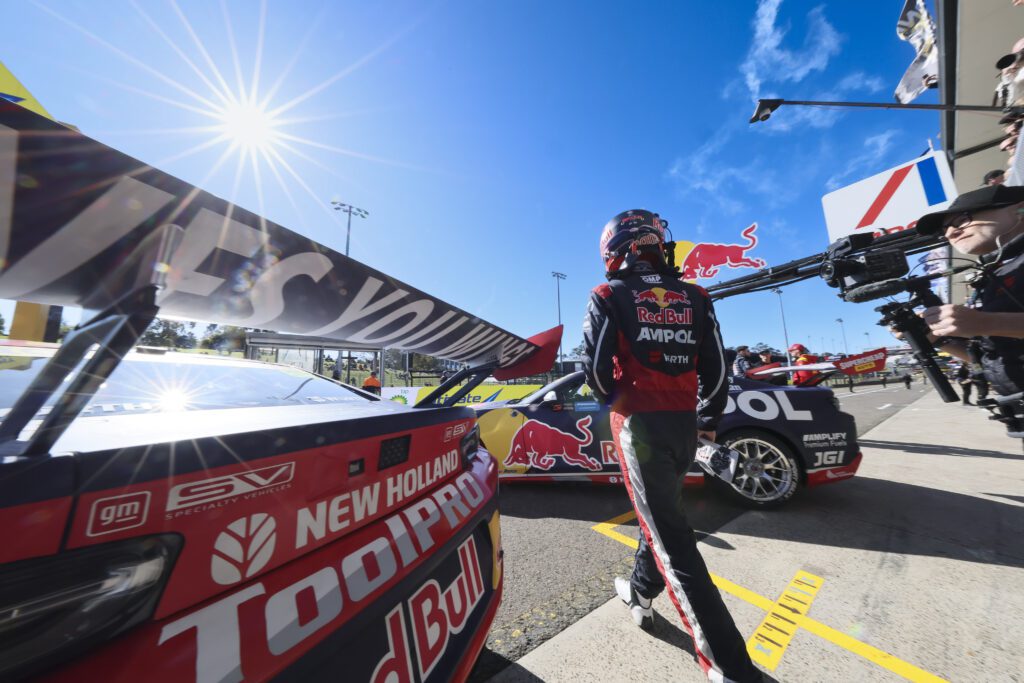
<point x="798" y="348"/>
<point x="629" y="235"/>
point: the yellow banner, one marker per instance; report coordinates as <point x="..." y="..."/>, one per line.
<point x="11" y="89"/>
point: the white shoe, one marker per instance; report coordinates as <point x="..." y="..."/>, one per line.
<point x="639" y="608"/>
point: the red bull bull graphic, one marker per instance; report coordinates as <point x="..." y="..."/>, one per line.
<point x="707" y="258"/>
<point x="537" y="444"/>
<point x="660" y="296"/>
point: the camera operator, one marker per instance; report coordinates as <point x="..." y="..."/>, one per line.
<point x="988" y="222"/>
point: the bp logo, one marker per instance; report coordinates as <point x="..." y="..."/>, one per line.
<point x="243" y="549"/>
<point x="399" y="398"/>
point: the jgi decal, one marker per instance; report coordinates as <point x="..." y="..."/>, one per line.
<point x="823" y="458"/>
<point x="766" y="405"/>
<point x="337" y="587"/>
<point x="661" y="334"/>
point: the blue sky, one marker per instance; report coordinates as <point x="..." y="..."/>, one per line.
<point x="490" y="142"/>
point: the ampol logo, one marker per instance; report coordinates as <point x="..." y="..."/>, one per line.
<point x="890" y="201"/>
<point x="243" y="549"/>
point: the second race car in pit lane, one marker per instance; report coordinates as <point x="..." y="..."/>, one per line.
<point x="785" y="437"/>
<point x="179" y="518"/>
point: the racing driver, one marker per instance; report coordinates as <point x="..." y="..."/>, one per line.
<point x="653" y="352"/>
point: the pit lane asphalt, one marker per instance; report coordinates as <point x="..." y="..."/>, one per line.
<point x="557" y="569"/>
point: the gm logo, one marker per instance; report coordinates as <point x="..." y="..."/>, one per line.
<point x="118" y="513"/>
<point x="930" y="181"/>
<point x="228" y="486"/>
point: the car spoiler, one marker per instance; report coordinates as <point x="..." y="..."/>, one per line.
<point x="73" y="209"/>
<point x="824" y="371"/>
<point x="82" y="224"/>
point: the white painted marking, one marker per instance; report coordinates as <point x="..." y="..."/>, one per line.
<point x="858" y="393"/>
<point x="883" y="407"/>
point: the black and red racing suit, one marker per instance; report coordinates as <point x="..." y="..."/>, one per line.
<point x="653" y="351"/>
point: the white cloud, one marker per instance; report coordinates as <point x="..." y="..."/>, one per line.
<point x="769" y="61"/>
<point x="858" y="80"/>
<point x="876" y="148"/>
<point x="704" y="174"/>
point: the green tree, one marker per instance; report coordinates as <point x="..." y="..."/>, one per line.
<point x="577" y="352"/>
<point x="3" y="324"/>
<point x="169" y="333"/>
<point x="223" y="338"/>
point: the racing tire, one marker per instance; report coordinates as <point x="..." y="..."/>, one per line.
<point x="768" y="473"/>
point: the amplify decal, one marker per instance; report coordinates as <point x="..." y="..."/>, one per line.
<point x="705" y="259"/>
<point x="82" y="233"/>
<point x="537" y="444"/>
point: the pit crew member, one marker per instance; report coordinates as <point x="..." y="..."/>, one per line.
<point x="802" y="356"/>
<point x="652" y="347"/>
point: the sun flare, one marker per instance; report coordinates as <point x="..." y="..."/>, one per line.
<point x="249" y="126"/>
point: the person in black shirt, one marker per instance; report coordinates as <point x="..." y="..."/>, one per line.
<point x="988" y="222"/>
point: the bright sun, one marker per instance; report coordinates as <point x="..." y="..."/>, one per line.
<point x="248" y="126"/>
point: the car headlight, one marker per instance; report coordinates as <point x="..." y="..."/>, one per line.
<point x="53" y="608"/>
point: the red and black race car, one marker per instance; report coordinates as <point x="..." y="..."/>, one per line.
<point x="169" y="517"/>
<point x="785" y="437"/>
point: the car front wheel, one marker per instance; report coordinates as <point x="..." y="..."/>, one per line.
<point x="767" y="475"/>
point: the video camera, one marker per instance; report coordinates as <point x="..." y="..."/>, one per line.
<point x="864" y="274"/>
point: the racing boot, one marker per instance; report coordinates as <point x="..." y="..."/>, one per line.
<point x="639" y="608"/>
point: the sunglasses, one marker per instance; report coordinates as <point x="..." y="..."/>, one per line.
<point x="958" y="221"/>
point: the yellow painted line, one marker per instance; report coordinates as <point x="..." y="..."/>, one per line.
<point x="776" y="631"/>
<point x="872" y="654"/>
<point x="608" y="529"/>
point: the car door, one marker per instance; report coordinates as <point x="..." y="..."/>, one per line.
<point x="565" y="435"/>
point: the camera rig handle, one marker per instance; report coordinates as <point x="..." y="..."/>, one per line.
<point x="901" y="316"/>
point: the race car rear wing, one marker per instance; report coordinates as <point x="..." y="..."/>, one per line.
<point x="82" y="224"/>
<point x="72" y="210"/>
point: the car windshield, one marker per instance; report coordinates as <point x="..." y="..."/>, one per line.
<point x="569" y="388"/>
<point x="170" y="383"/>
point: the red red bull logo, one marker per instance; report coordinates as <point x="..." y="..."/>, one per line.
<point x="537" y="444"/>
<point x="707" y="258"/>
<point x="660" y="296"/>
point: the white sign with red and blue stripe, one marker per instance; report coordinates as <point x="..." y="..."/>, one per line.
<point x="890" y="201"/>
